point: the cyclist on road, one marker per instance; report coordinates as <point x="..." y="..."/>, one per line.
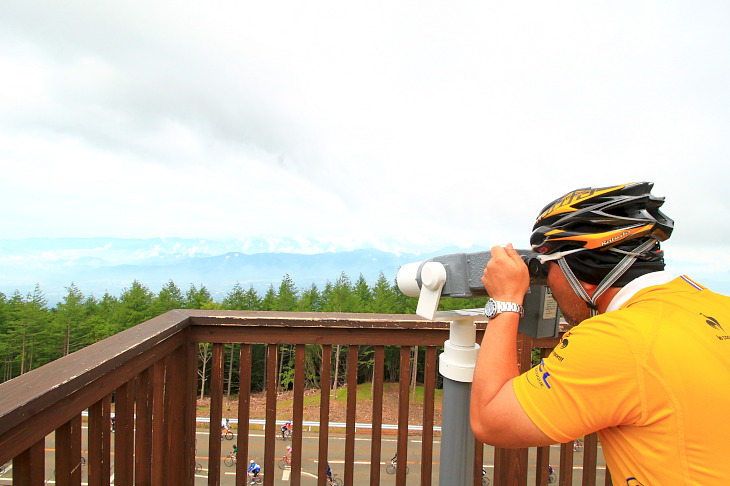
<point x="286" y="428"/>
<point x="254" y="469"/>
<point x="289" y="452"/>
<point x="329" y="473"/>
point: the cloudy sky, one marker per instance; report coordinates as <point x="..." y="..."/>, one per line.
<point x="399" y="125"/>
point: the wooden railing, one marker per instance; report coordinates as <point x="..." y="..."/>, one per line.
<point x="151" y="372"/>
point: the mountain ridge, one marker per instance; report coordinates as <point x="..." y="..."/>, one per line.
<point x="99" y="265"/>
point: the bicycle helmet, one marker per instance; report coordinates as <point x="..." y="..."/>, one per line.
<point x="598" y="219"/>
<point x="606" y="236"/>
<point x="252" y="461"/>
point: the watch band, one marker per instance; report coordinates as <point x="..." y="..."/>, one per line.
<point x="495" y="307"/>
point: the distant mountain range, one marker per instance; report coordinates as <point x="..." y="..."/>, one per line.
<point x="99" y="265"/>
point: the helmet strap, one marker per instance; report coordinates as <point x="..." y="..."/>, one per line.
<point x="608" y="280"/>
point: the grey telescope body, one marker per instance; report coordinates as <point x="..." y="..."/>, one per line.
<point x="461" y="275"/>
<point x="464" y="272"/>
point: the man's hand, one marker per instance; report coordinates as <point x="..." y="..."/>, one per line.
<point x="506" y="277"/>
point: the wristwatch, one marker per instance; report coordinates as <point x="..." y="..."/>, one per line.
<point x="495" y="307"/>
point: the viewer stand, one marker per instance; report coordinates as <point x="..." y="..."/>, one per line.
<point x="456" y="365"/>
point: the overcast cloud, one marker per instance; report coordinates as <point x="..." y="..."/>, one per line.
<point x="394" y="125"/>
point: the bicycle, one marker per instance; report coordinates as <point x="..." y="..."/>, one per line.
<point x="485" y="478"/>
<point x="285" y="463"/>
<point x="285" y="435"/>
<point x="334" y="481"/>
<point x="577" y="445"/>
<point x="198" y="466"/>
<point x="393" y="466"/>
<point x="226" y="432"/>
<point x="230" y="459"/>
<point x="255" y="479"/>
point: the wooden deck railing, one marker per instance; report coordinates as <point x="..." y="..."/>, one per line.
<point x="151" y="371"/>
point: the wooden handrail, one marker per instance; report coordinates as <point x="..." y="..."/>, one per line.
<point x="51" y="395"/>
<point x="151" y="370"/>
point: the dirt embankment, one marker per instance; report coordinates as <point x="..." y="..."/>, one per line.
<point x="338" y="408"/>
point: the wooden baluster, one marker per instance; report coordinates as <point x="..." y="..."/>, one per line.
<point x="68" y="453"/>
<point x="124" y="434"/>
<point x="244" y="413"/>
<point x="158" y="422"/>
<point x="403" y="410"/>
<point x="100" y="442"/>
<point x="429" y="387"/>
<point x="216" y="414"/>
<point x="270" y="458"/>
<point x="566" y="464"/>
<point x="352" y="358"/>
<point x="298" y="418"/>
<point x="377" y="393"/>
<point x="325" y="386"/>
<point x="29" y="466"/>
<point x="143" y="431"/>
<point x="590" y="459"/>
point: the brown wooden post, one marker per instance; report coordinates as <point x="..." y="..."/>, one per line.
<point x="143" y="432"/>
<point x="429" y="389"/>
<point x="478" y="461"/>
<point x="377" y="393"/>
<point x="100" y="442"/>
<point x="271" y="429"/>
<point x="352" y="357"/>
<point x="177" y="469"/>
<point x="403" y="409"/>
<point x="566" y="464"/>
<point x="124" y="434"/>
<point x="158" y="422"/>
<point x="244" y="412"/>
<point x="542" y="474"/>
<point x="216" y="414"/>
<point x="298" y="418"/>
<point x="68" y="453"/>
<point x="590" y="459"/>
<point x="29" y="466"/>
<point x="325" y="386"/>
<point x="190" y="399"/>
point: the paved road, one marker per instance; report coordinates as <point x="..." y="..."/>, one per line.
<point x="310" y="443"/>
<point x="310" y="446"/>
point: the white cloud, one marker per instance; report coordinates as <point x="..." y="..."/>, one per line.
<point x="396" y="125"/>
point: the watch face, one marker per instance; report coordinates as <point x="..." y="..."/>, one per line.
<point x="490" y="310"/>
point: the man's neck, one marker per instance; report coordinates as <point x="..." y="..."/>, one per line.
<point x="623" y="294"/>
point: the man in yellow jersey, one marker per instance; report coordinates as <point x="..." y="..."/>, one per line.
<point x="648" y="367"/>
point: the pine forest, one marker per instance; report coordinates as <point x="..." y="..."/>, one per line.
<point x="33" y="334"/>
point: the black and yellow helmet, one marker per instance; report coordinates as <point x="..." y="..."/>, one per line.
<point x="600" y="219"/>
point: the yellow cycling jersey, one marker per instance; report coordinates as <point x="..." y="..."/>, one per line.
<point x="653" y="378"/>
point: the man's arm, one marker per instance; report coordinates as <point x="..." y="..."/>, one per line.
<point x="497" y="417"/>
